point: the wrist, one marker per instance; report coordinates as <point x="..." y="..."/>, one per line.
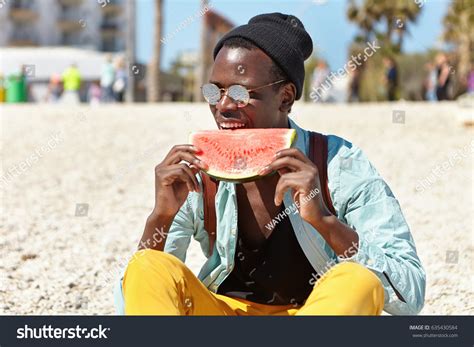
<point x="156" y="216"/>
<point x="325" y="223"/>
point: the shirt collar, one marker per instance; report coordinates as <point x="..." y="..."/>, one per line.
<point x="301" y="137"/>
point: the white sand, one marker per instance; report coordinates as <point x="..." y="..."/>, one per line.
<point x="54" y="262"/>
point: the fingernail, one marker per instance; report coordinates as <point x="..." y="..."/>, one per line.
<point x="263" y="170"/>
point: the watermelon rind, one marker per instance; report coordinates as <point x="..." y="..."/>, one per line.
<point x="242" y="178"/>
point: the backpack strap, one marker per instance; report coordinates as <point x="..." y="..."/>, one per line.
<point x="209" y="190"/>
<point x="318" y="153"/>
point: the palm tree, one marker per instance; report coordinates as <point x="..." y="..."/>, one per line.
<point x="395" y="15"/>
<point x="459" y="30"/>
<point x="130" y="49"/>
<point x="204" y="49"/>
<point x="153" y="71"/>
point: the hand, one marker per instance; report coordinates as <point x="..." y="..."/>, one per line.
<point x="175" y="178"/>
<point x="299" y="173"/>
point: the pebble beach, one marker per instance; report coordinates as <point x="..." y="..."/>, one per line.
<point x="78" y="183"/>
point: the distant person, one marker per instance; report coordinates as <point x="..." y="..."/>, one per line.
<point x="430" y="82"/>
<point x="391" y="78"/>
<point x="470" y="80"/>
<point x="320" y="75"/>
<point x="54" y="89"/>
<point x="72" y="85"/>
<point x="2" y="89"/>
<point x="354" y="86"/>
<point x="443" y="70"/>
<point x="94" y="93"/>
<point x="107" y="77"/>
<point x="120" y="83"/>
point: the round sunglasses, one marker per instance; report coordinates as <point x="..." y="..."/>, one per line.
<point x="238" y="93"/>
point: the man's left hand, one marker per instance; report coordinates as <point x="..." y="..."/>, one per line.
<point x="297" y="172"/>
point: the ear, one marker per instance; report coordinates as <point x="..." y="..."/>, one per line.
<point x="288" y="95"/>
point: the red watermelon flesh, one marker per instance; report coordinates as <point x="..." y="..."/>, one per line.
<point x="238" y="155"/>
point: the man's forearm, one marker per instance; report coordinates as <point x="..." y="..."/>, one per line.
<point x="343" y="240"/>
<point x="156" y="230"/>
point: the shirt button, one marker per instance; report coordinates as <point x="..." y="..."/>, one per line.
<point x="233" y="232"/>
<point x="214" y="287"/>
<point x="188" y="302"/>
<point x="370" y="262"/>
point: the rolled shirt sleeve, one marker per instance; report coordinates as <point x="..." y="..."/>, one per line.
<point x="181" y="231"/>
<point x="386" y="246"/>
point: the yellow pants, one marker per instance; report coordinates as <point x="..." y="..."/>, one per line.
<point x="157" y="283"/>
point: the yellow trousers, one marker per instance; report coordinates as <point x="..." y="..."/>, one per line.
<point x="157" y="283"/>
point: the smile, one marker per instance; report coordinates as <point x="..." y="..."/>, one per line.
<point x="231" y="125"/>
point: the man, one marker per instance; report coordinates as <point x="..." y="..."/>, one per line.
<point x="107" y="77"/>
<point x="391" y="78"/>
<point x="443" y="70"/>
<point x="358" y="262"/>
<point x="71" y="85"/>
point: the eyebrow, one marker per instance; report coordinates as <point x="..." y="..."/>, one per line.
<point x="220" y="85"/>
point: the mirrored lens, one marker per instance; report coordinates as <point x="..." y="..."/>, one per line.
<point x="239" y="94"/>
<point x="211" y="93"/>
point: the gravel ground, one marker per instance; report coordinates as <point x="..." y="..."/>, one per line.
<point x="77" y="185"/>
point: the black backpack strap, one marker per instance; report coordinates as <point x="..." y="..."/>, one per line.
<point x="318" y="154"/>
<point x="209" y="192"/>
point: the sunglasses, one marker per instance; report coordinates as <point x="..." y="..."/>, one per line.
<point x="239" y="94"/>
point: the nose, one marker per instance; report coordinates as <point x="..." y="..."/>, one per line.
<point x="226" y="104"/>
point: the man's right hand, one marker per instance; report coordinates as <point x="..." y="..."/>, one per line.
<point x="175" y="178"/>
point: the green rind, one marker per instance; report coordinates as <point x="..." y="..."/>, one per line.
<point x="248" y="178"/>
<point x="241" y="180"/>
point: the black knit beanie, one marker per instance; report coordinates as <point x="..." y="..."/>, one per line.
<point x="282" y="37"/>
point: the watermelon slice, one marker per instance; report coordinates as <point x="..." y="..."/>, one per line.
<point x="238" y="155"/>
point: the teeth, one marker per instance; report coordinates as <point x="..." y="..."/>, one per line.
<point x="231" y="125"/>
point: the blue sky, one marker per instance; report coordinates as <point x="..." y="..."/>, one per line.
<point x="324" y="20"/>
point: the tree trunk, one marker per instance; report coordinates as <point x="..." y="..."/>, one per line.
<point x="130" y="50"/>
<point x="464" y="51"/>
<point x="153" y="71"/>
<point x="203" y="51"/>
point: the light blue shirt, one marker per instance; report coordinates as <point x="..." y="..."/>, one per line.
<point x="362" y="200"/>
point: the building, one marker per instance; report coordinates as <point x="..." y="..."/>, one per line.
<point x="44" y="62"/>
<point x="91" y="24"/>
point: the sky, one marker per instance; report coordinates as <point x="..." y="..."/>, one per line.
<point x="325" y="20"/>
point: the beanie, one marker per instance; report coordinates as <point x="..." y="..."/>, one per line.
<point x="282" y="37"/>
